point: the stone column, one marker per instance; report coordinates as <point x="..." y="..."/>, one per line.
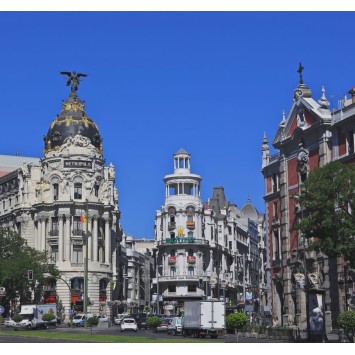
<point x="89" y="236"/>
<point x="37" y="234"/>
<point x="107" y="241"/>
<point x="67" y="238"/>
<point x="60" y="239"/>
<point x="43" y="235"/>
<point x="95" y="239"/>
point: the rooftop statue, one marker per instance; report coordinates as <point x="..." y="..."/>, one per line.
<point x="73" y="79"/>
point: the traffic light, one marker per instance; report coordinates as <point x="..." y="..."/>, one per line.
<point x="30" y="275"/>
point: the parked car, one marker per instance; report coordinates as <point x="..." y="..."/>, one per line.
<point x="102" y="318"/>
<point x="165" y="322"/>
<point x="79" y="319"/>
<point x="141" y="319"/>
<point x="9" y="323"/>
<point x="119" y="317"/>
<point x="128" y="324"/>
<point x="175" y="327"/>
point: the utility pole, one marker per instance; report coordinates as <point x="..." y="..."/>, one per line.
<point x="244" y="279"/>
<point x="86" y="263"/>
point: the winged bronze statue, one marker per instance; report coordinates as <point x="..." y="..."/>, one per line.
<point x="73" y="79"/>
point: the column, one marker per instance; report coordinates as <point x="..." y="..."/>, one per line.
<point x="39" y="234"/>
<point x="67" y="238"/>
<point x="43" y="235"/>
<point x="60" y="239"/>
<point x="107" y="241"/>
<point x="95" y="239"/>
<point x="89" y="236"/>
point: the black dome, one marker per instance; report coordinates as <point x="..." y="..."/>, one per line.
<point x="71" y="121"/>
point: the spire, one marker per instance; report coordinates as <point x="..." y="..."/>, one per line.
<point x="265" y="151"/>
<point x="302" y="90"/>
<point x="323" y="102"/>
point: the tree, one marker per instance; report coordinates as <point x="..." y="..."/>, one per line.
<point x="236" y="321"/>
<point x="346" y="320"/>
<point x="15" y="261"/>
<point x="153" y="323"/>
<point x="327" y="203"/>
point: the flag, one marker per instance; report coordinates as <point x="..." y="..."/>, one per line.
<point x="82" y="219"/>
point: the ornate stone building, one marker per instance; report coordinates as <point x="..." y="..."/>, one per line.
<point x="308" y="137"/>
<point x="48" y="202"/>
<point x="199" y="246"/>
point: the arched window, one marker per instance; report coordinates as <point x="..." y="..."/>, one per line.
<point x="172" y="252"/>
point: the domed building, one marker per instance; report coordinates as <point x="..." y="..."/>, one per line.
<point x="67" y="205"/>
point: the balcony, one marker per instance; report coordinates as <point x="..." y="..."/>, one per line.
<point x="54" y="233"/>
<point x="191" y="259"/>
<point x="184" y="240"/>
<point x="190" y="225"/>
<point x="171" y="226"/>
<point x="78" y="232"/>
<point x="276" y="263"/>
<point x="172" y="260"/>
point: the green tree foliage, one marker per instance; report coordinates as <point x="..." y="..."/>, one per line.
<point x="48" y="317"/>
<point x="17" y="318"/>
<point x="15" y="261"/>
<point x="328" y="217"/>
<point x="93" y="321"/>
<point x="346" y="320"/>
<point x="236" y="320"/>
<point x="153" y="322"/>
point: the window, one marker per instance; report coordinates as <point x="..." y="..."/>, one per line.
<point x="191" y="288"/>
<point x="96" y="189"/>
<point x="77" y="256"/>
<point x="229" y="230"/>
<point x="55" y="192"/>
<point x="172" y="235"/>
<point x="173" y="271"/>
<point x="172" y="219"/>
<point x="172" y="252"/>
<point x="190" y="218"/>
<point x="190" y="271"/>
<point x="190" y="252"/>
<point x="54" y="253"/>
<point x="230" y="245"/>
<point x="190" y="234"/>
<point x="77" y="191"/>
<point x="77" y="226"/>
<point x="171" y="288"/>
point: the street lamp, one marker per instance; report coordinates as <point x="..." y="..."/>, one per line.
<point x="86" y="263"/>
<point x="158" y="297"/>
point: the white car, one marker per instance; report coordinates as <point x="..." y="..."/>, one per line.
<point x="119" y="317"/>
<point x="128" y="324"/>
<point x="10" y="323"/>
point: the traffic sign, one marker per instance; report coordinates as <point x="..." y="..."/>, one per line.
<point x="2" y="309"/>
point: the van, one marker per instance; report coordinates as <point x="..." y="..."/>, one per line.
<point x="175" y="327"/>
<point x="79" y="319"/>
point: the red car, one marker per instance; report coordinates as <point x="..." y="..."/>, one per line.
<point x="165" y="322"/>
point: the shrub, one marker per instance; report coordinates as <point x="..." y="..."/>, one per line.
<point x="48" y="317"/>
<point x="153" y="322"/>
<point x="236" y="320"/>
<point x="17" y="318"/>
<point x="93" y="321"/>
<point x="346" y="320"/>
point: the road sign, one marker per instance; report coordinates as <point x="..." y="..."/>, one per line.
<point x="2" y="309"/>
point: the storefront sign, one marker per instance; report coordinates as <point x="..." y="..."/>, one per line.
<point x="180" y="240"/>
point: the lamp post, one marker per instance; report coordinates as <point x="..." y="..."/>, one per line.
<point x="86" y="263"/>
<point x="158" y="297"/>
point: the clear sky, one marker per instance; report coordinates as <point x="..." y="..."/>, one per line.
<point x="209" y="82"/>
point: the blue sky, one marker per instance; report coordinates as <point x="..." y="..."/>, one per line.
<point x="210" y="82"/>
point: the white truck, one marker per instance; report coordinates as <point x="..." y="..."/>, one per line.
<point x="32" y="316"/>
<point x="203" y="318"/>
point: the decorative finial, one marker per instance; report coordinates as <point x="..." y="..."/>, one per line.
<point x="323" y="100"/>
<point x="283" y="121"/>
<point x="300" y="69"/>
<point x="73" y="79"/>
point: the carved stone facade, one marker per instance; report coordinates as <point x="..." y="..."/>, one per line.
<point x="46" y="202"/>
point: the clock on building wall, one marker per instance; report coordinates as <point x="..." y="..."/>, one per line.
<point x="171" y="210"/>
<point x="190" y="211"/>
